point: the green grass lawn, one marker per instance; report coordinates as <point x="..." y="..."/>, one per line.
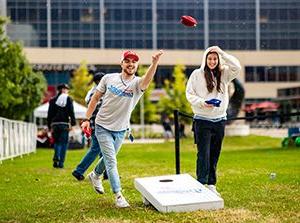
<point x="32" y="191"/>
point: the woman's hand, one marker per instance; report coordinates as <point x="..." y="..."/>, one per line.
<point x="208" y="105"/>
<point x="216" y="49"/>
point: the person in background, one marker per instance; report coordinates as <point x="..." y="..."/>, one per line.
<point x="168" y="133"/>
<point x="60" y="114"/>
<point x="120" y="93"/>
<point x="94" y="150"/>
<point x="182" y="130"/>
<point x="210" y="81"/>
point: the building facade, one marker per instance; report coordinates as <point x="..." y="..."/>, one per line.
<point x="263" y="34"/>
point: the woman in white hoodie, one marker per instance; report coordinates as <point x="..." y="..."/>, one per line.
<point x="210" y="81"/>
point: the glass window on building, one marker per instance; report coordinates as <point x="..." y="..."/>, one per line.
<point x="232" y="24"/>
<point x="280" y="24"/>
<point x="283" y="74"/>
<point x="128" y="24"/>
<point x="250" y="77"/>
<point x="260" y="74"/>
<point x="57" y="77"/>
<point x="294" y="73"/>
<point x="87" y="15"/>
<point x="171" y="34"/>
<point x="28" y="19"/>
<point x="108" y="68"/>
<point x="271" y="74"/>
<point x="75" y="23"/>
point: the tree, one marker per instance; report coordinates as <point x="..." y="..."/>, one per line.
<point x="80" y="83"/>
<point x="21" y="88"/>
<point x="175" y="94"/>
<point x="150" y="111"/>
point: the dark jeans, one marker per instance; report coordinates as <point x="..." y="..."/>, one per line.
<point x="90" y="156"/>
<point x="61" y="138"/>
<point x="208" y="137"/>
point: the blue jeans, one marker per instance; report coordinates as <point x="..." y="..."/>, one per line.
<point x="61" y="138"/>
<point x="110" y="143"/>
<point x="90" y="156"/>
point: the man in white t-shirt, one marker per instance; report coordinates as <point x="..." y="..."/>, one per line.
<point x="120" y="93"/>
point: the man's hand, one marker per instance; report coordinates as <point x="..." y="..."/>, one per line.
<point x="155" y="57"/>
<point x="85" y="125"/>
<point x="49" y="133"/>
<point x="147" y="78"/>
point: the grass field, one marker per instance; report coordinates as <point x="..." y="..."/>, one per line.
<point x="32" y="191"/>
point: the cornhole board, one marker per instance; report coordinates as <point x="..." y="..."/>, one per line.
<point x="177" y="193"/>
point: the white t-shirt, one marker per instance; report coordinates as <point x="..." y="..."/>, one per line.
<point x="119" y="100"/>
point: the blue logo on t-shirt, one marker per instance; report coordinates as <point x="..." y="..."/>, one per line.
<point x="126" y="93"/>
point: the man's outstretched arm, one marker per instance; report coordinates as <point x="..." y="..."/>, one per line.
<point x="147" y="78"/>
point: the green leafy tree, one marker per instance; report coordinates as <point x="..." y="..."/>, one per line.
<point x="175" y="94"/>
<point x="80" y="83"/>
<point x="21" y="88"/>
<point x="150" y="111"/>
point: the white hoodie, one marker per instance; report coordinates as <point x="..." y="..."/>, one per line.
<point x="197" y="93"/>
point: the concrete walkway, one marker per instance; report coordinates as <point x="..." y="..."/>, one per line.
<point x="145" y="141"/>
<point x="276" y="133"/>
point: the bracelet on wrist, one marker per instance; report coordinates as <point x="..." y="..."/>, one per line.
<point x="86" y="119"/>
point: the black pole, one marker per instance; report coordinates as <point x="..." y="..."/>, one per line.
<point x="177" y="144"/>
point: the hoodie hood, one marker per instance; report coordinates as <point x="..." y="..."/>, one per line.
<point x="196" y="89"/>
<point x="222" y="62"/>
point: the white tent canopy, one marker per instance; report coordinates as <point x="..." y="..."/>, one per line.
<point x="42" y="111"/>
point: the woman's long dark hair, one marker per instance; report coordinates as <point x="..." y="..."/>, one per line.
<point x="208" y="75"/>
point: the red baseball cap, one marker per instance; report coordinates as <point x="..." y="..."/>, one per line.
<point x="130" y="54"/>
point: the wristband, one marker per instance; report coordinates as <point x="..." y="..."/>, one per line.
<point x="86" y="119"/>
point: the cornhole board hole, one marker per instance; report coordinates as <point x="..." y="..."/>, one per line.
<point x="177" y="193"/>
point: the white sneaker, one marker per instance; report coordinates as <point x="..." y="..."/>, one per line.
<point x="121" y="201"/>
<point x="96" y="182"/>
<point x="213" y="188"/>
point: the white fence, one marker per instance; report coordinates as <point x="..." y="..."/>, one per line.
<point x="16" y="138"/>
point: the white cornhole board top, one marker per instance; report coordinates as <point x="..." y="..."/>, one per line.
<point x="179" y="193"/>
